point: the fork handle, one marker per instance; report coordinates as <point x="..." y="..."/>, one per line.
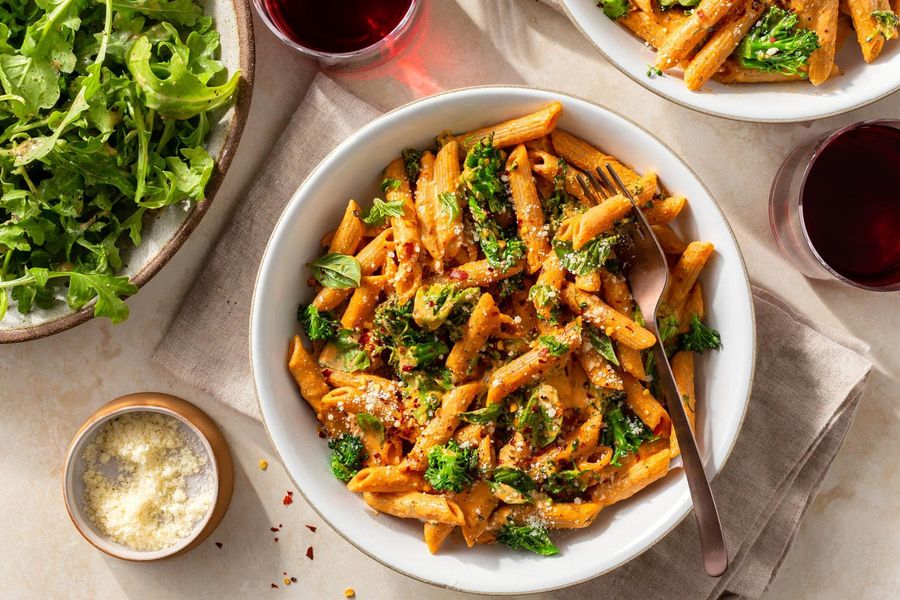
<point x="712" y="540"/>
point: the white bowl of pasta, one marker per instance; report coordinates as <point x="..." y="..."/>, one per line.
<point x="749" y="94"/>
<point x="453" y="394"/>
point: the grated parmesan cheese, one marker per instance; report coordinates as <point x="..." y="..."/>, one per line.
<point x="145" y="504"/>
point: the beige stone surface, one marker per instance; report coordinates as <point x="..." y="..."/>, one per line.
<point x="848" y="544"/>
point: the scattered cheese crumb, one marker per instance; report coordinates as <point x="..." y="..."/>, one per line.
<point x="145" y="505"/>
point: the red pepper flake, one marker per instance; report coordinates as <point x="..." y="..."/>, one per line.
<point x="321" y="434"/>
<point x="458" y="275"/>
<point x="309" y="553"/>
<point x="276" y="540"/>
<point x="274" y="587"/>
<point x="289" y="499"/>
<point x="327" y="372"/>
<point x="311" y="528"/>
<point x="218" y="544"/>
<point x="273" y="529"/>
<point x="280" y="526"/>
<point x="293" y="580"/>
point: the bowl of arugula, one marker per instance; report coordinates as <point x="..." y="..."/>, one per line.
<point x="118" y="121"/>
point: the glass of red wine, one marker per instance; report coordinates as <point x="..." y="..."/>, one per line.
<point x="345" y="35"/>
<point x="835" y="206"/>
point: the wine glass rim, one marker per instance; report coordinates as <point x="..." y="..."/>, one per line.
<point x="332" y="56"/>
<point x="817" y="151"/>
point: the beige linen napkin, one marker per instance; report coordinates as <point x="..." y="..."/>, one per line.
<point x="806" y="390"/>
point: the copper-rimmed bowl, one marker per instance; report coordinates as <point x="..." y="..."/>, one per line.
<point x="197" y="425"/>
<point x="168" y="229"/>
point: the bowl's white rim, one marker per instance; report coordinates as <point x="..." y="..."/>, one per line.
<point x="352" y="139"/>
<point x="84" y="525"/>
<point x="642" y="81"/>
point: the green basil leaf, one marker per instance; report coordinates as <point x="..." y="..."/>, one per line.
<point x="336" y="270"/>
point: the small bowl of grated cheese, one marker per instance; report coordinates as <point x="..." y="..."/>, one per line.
<point x="147" y="476"/>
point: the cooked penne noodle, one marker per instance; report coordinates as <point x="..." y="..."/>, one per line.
<point x="388" y="478"/>
<point x="685" y="273"/>
<point x="870" y="34"/>
<point x="590" y="282"/>
<point x="722" y="43"/>
<point x="349" y="233"/>
<point x="688" y="35"/>
<point x="361" y="307"/>
<point x="664" y="211"/>
<point x="478" y="273"/>
<point x="446" y="181"/>
<point x="670" y="242"/>
<point x="583" y="228"/>
<point x="645" y="406"/>
<point x="416" y="505"/>
<point x="516" y="131"/>
<point x="445" y="421"/>
<point x="599" y="371"/>
<point x="481" y="324"/>
<point x="435" y="534"/>
<point x="587" y="158"/>
<point x="632" y="479"/>
<point x="532" y="364"/>
<point x="407" y="245"/>
<point x="529" y="215"/>
<point x="307" y="375"/>
<point x="547" y="166"/>
<point x="427" y="211"/>
<point x="477" y="504"/>
<point x="613" y="323"/>
<point x="820" y="16"/>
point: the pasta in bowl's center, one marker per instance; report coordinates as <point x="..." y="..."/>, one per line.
<point x="473" y="352"/>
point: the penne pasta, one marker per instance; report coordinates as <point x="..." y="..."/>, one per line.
<point x="516" y="131"/>
<point x="481" y="324"/>
<point x="529" y="215"/>
<point x="613" y="323"/>
<point x="417" y="505"/>
<point x="307" y="375"/>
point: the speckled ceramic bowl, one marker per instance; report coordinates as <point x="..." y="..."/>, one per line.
<point x="204" y="436"/>
<point x="168" y="229"/>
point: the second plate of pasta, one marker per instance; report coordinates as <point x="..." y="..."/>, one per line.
<point x="464" y="340"/>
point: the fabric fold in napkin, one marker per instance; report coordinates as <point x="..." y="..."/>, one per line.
<point x="806" y="389"/>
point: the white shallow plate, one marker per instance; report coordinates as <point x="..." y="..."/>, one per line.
<point x="354" y="170"/>
<point x="859" y="85"/>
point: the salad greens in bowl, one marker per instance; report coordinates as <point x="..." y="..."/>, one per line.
<point x="118" y="119"/>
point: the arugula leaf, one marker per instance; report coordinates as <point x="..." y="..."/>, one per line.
<point x="591" y="257"/>
<point x="514" y="478"/>
<point x="381" y="210"/>
<point x="602" y="344"/>
<point x="355" y="358"/>
<point x="556" y="347"/>
<point x="180" y="12"/>
<point x="483" y="416"/>
<point x="369" y="422"/>
<point x="449" y="204"/>
<point x="412" y="160"/>
<point x="336" y="270"/>
<point x="389" y="183"/>
<point x="181" y="94"/>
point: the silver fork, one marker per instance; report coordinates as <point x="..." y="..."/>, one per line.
<point x="648" y="273"/>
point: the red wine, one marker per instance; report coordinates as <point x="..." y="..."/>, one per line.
<point x="850" y="204"/>
<point x="336" y="26"/>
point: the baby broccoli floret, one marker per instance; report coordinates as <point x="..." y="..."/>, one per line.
<point x="614" y="8"/>
<point x="527" y="537"/>
<point x="776" y="45"/>
<point x="347" y="456"/>
<point x="450" y="467"/>
<point x="319" y="326"/>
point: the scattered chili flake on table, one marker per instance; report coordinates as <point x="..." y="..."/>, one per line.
<point x="263" y="464"/>
<point x="218" y="544"/>
<point x="309" y="553"/>
<point x="311" y="528"/>
<point x="293" y="580"/>
<point x="274" y="528"/>
<point x="274" y="587"/>
<point x="276" y="540"/>
<point x="349" y="593"/>
<point x="288" y="499"/>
